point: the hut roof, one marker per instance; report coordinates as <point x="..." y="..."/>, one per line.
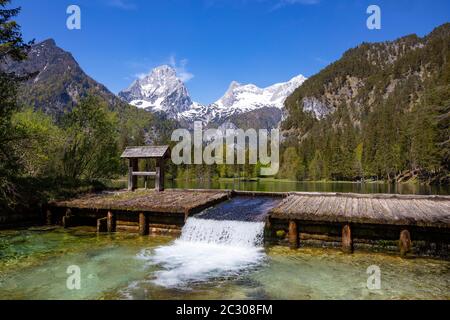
<point x="146" y="152"/>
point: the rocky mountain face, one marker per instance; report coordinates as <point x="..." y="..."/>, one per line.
<point x="58" y="82"/>
<point x="249" y="105"/>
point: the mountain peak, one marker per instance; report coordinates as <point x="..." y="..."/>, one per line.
<point x="233" y="85"/>
<point x="250" y="97"/>
<point x="159" y="91"/>
<point x="164" y="71"/>
<point x="48" y="42"/>
<point x="47" y="65"/>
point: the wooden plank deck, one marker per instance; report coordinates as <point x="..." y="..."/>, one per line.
<point x="407" y="210"/>
<point x="169" y="201"/>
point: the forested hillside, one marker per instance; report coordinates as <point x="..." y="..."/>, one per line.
<point x="380" y="112"/>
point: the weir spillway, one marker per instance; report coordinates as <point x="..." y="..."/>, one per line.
<point x="290" y="218"/>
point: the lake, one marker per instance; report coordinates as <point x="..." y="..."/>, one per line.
<point x="303" y="186"/>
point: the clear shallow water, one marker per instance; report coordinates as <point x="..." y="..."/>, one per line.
<point x="33" y="265"/>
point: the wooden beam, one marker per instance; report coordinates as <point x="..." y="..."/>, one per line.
<point x="144" y="173"/>
<point x="143" y="224"/>
<point x="347" y="239"/>
<point x="111" y="222"/>
<point x="293" y="235"/>
<point x="405" y="242"/>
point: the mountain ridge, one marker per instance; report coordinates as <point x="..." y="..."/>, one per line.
<point x="162" y="91"/>
<point x="58" y="82"/>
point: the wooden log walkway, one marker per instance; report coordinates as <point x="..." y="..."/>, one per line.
<point x="424" y="211"/>
<point x="169" y="201"/>
<point x="141" y="211"/>
<point x="364" y="216"/>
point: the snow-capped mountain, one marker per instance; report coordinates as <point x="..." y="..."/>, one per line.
<point x="163" y="91"/>
<point x="242" y="99"/>
<point x="159" y="91"/>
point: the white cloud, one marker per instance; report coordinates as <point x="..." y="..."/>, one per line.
<point x="180" y="68"/>
<point x="122" y="4"/>
<point x="141" y="75"/>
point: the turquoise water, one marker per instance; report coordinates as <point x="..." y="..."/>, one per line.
<point x="33" y="265"/>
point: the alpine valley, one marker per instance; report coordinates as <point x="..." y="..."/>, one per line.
<point x="381" y="112"/>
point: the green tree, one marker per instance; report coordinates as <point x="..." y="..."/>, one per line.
<point x="12" y="47"/>
<point x="291" y="164"/>
<point x="40" y="153"/>
<point x="91" y="148"/>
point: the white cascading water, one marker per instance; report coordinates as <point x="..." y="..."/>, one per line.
<point x="233" y="233"/>
<point x="208" y="249"/>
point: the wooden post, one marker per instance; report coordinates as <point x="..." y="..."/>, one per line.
<point x="143" y="224"/>
<point x="49" y="217"/>
<point x="293" y="234"/>
<point x="347" y="239"/>
<point x="133" y="165"/>
<point x="102" y="225"/>
<point x="159" y="181"/>
<point x="111" y="222"/>
<point x="268" y="230"/>
<point x="130" y="177"/>
<point x="67" y="219"/>
<point x="405" y="242"/>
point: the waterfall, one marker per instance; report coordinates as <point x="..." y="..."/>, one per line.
<point x="208" y="249"/>
<point x="232" y="233"/>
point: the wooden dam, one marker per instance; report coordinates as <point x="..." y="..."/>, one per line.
<point x="341" y="218"/>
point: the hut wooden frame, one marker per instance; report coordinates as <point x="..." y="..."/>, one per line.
<point x="133" y="154"/>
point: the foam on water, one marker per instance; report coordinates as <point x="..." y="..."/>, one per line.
<point x="208" y="249"/>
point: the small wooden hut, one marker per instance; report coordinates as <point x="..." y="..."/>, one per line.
<point x="133" y="154"/>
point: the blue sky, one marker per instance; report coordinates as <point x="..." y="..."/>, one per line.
<point x="212" y="42"/>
